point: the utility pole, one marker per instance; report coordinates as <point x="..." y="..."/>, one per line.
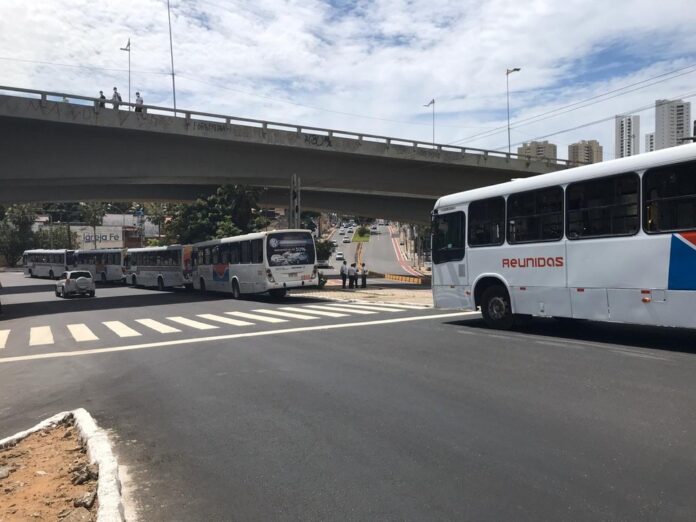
<point x="508" y="72"/>
<point x="432" y="103"/>
<point x="171" y="53"/>
<point x="294" y="214"/>
<point x="128" y="49"/>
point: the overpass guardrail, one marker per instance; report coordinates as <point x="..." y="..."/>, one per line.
<point x="188" y="115"/>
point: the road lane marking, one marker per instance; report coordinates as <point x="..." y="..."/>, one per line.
<point x="193" y="324"/>
<point x="303" y="317"/>
<point x="373" y="307"/>
<point x="257" y="317"/>
<point x="177" y="342"/>
<point x="336" y="308"/>
<point x="40" y="335"/>
<point x="82" y="333"/>
<point x="157" y="326"/>
<point x="315" y="312"/>
<point x="406" y="306"/>
<point x="120" y="329"/>
<point x="4" y="334"/>
<point x="225" y="320"/>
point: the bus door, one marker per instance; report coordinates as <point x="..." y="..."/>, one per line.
<point x="450" y="274"/>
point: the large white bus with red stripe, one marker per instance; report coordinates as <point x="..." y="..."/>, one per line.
<point x="613" y="241"/>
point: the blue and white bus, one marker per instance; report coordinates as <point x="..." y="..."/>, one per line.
<point x="612" y="241"/>
<point x="270" y="262"/>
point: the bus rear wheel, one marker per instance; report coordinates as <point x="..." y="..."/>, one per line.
<point x="202" y="286"/>
<point x="50" y="275"/>
<point x="134" y="281"/>
<point x="236" y="293"/>
<point x="160" y="284"/>
<point x="278" y="293"/>
<point x="496" y="309"/>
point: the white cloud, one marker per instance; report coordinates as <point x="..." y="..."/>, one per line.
<point x="381" y="59"/>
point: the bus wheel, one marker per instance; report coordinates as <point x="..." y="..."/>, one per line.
<point x="50" y="274"/>
<point x="236" y="294"/>
<point x="160" y="284"/>
<point x="496" y="309"/>
<point x="103" y="278"/>
<point x="31" y="274"/>
<point x="278" y="293"/>
<point x="134" y="281"/>
<point x="202" y="286"/>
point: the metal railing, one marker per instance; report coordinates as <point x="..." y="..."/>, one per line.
<point x="190" y="115"/>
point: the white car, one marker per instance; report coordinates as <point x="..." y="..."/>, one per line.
<point x="346" y="239"/>
<point x="75" y="282"/>
<point x="339" y="256"/>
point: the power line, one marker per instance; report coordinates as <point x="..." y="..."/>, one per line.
<point x="74" y="66"/>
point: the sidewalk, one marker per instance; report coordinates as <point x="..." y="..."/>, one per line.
<point x="416" y="295"/>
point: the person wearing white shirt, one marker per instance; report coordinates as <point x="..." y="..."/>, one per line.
<point x="344" y="274"/>
<point x="115" y="99"/>
<point x="138" y="102"/>
<point x="352" y="273"/>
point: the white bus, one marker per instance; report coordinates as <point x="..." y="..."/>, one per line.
<point x="161" y="267"/>
<point x="613" y="241"/>
<point x="255" y="263"/>
<point x="47" y="263"/>
<point x="105" y="264"/>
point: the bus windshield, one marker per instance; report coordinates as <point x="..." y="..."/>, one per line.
<point x="290" y="248"/>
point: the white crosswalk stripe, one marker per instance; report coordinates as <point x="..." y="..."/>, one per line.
<point x="157" y="326"/>
<point x="40" y="335"/>
<point x="225" y="320"/>
<point x="4" y="334"/>
<point x="193" y="324"/>
<point x="315" y="312"/>
<point x="373" y="307"/>
<point x="404" y="306"/>
<point x="257" y="317"/>
<point x="337" y="308"/>
<point x="290" y="315"/>
<point x="81" y="333"/>
<point x="120" y="329"/>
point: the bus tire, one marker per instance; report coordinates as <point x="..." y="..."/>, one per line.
<point x="496" y="308"/>
<point x="278" y="293"/>
<point x="202" y="286"/>
<point x="31" y="274"/>
<point x="103" y="278"/>
<point x="50" y="274"/>
<point x="236" y="293"/>
<point x="134" y="281"/>
<point x="188" y="287"/>
<point x="160" y="284"/>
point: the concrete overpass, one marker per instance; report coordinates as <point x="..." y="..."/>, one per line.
<point x="77" y="150"/>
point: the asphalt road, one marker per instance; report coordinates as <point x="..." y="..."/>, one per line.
<point x="396" y="415"/>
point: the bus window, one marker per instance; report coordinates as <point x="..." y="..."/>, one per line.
<point x="448" y="237"/>
<point x="603" y="207"/>
<point x="536" y="215"/>
<point x="257" y="251"/>
<point x="246" y="252"/>
<point x="487" y="222"/>
<point x="235" y="253"/>
<point x="215" y="255"/>
<point x="669" y="195"/>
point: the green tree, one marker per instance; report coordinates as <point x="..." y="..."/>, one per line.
<point x="55" y="237"/>
<point x="15" y="232"/>
<point x="324" y="249"/>
<point x="157" y="213"/>
<point x="226" y="228"/>
<point x="93" y="215"/>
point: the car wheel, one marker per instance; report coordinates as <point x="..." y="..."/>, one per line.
<point x="236" y="293"/>
<point x="57" y="292"/>
<point x="496" y="309"/>
<point x="91" y="294"/>
<point x="160" y="284"/>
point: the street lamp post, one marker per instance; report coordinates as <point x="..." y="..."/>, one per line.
<point x="432" y="102"/>
<point x="508" y="72"/>
<point x="128" y="49"/>
<point x="171" y="54"/>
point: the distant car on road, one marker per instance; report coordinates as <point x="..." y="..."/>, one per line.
<point x="346" y="239"/>
<point x="75" y="282"/>
<point x="339" y="256"/>
<point x="341" y="232"/>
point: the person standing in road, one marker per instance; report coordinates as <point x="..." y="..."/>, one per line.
<point x="344" y="274"/>
<point x="363" y="276"/>
<point x="115" y="99"/>
<point x="352" y="276"/>
<point x="138" y="102"/>
<point x="102" y="97"/>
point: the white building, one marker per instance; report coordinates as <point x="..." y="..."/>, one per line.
<point x="626" y="135"/>
<point x="585" y="151"/>
<point x="672" y="123"/>
<point x="650" y="142"/>
<point x="538" y="149"/>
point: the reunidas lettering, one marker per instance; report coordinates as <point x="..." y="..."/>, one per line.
<point x="533" y="262"/>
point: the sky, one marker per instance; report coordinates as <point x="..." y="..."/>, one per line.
<point x="371" y="66"/>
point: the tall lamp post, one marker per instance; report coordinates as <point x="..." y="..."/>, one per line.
<point x="127" y="48"/>
<point x="171" y="54"/>
<point x="508" y="72"/>
<point x="432" y="102"/>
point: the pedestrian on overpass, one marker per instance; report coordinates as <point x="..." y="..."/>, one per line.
<point x="344" y="274"/>
<point x="115" y="99"/>
<point x="363" y="276"/>
<point x="102" y="97"/>
<point x="352" y="276"/>
<point x="138" y="102"/>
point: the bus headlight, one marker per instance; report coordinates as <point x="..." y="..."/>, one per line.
<point x="269" y="274"/>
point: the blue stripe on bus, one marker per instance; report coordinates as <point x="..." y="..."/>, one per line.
<point x="682" y="265"/>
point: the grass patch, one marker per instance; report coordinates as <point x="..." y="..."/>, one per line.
<point x="361" y="239"/>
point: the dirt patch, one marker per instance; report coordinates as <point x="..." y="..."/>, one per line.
<point x="47" y="476"/>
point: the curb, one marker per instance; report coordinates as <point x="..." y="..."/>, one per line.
<point x="357" y="300"/>
<point x="408" y="279"/>
<point x="99" y="452"/>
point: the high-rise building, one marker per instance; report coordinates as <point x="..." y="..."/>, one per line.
<point x="585" y="151"/>
<point x="538" y="149"/>
<point x="626" y="135"/>
<point x="650" y="142"/>
<point x="672" y="123"/>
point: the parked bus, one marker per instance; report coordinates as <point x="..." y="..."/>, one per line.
<point x="613" y="241"/>
<point x="105" y="264"/>
<point x="161" y="267"/>
<point x="256" y="263"/>
<point x="47" y="263"/>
